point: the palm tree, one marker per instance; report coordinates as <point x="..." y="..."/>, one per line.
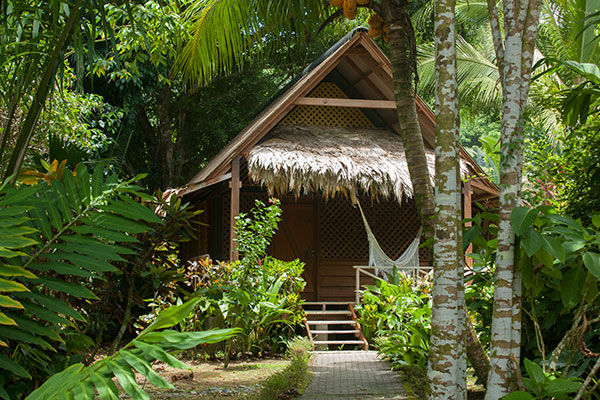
<point x="225" y="32"/>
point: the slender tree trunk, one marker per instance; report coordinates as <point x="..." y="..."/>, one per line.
<point x="514" y="55"/>
<point x="402" y="57"/>
<point x="447" y="358"/>
<point x="476" y="353"/>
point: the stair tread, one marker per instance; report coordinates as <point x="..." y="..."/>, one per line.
<point x="320" y="303"/>
<point x="338" y="342"/>
<point x="317" y="332"/>
<point x="329" y="322"/>
<point x="328" y="312"/>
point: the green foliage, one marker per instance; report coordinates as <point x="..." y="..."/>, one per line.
<point x="397" y="316"/>
<point x="153" y="344"/>
<point x="543" y="386"/>
<point x="254" y="233"/>
<point x="294" y="378"/>
<point x="57" y="236"/>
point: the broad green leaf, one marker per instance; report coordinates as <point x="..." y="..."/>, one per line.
<point x="526" y="270"/>
<point x="521" y="219"/>
<point x="72" y="289"/>
<point x="13" y="211"/>
<point x="6" y="253"/>
<point x="9" y="302"/>
<point x="52" y="211"/>
<point x="532" y="241"/>
<point x="596" y="220"/>
<point x="58" y="383"/>
<point x="6" y="222"/>
<point x="41" y="222"/>
<point x="83" y="183"/>
<point x="127" y="380"/>
<point x="570" y="287"/>
<point x="5" y="320"/>
<point x="592" y="262"/>
<point x="157" y="353"/>
<point x="106" y="388"/>
<point x="518" y="396"/>
<point x="554" y="247"/>
<point x="55" y="305"/>
<point x="114" y="222"/>
<point x="16" y="242"/>
<point x="16" y="195"/>
<point x="563" y="219"/>
<point x="14" y="270"/>
<point x="17" y="231"/>
<point x="11" y="286"/>
<point x="144" y="368"/>
<point x="132" y="210"/>
<point x="535" y="371"/>
<point x="25" y="337"/>
<point x="572" y="246"/>
<point x="9" y="365"/>
<point x="97" y="181"/>
<point x="560" y="386"/>
<point x="83" y="391"/>
<point x="81" y="260"/>
<point x="186" y="340"/>
<point x="171" y="316"/>
<point x="45" y="314"/>
<point x="58" y="190"/>
<point x="34" y="327"/>
<point x="62" y="268"/>
<point x="71" y="191"/>
<point x="105" y="233"/>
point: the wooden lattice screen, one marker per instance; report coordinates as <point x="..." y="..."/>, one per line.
<point x="349" y="117"/>
<point x="342" y="233"/>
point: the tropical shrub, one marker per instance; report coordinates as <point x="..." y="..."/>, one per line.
<point x="396" y="316"/>
<point x="259" y="294"/>
<point x="153" y="344"/>
<point x="541" y="385"/>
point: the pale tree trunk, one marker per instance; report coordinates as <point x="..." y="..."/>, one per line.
<point x="514" y="54"/>
<point x="403" y="59"/>
<point x="447" y="358"/>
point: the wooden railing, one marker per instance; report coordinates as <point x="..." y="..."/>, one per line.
<point x="413" y="272"/>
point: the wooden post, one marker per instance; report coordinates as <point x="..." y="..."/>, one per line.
<point x="235" y="206"/>
<point x="468" y="213"/>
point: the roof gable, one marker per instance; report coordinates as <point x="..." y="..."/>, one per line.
<point x="360" y="67"/>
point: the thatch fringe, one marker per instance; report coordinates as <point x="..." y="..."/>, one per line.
<point x="353" y="161"/>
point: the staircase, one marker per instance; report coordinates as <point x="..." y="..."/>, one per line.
<point x="332" y="325"/>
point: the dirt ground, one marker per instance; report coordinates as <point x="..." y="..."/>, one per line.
<point x="209" y="380"/>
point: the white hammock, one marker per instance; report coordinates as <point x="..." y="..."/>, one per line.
<point x="378" y="258"/>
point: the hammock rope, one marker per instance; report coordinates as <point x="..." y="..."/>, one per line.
<point x="378" y="258"/>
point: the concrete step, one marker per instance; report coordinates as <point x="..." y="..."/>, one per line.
<point x="317" y="342"/>
<point x="328" y="312"/>
<point x="340" y="332"/>
<point x="340" y="322"/>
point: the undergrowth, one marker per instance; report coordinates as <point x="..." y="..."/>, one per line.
<point x="292" y="381"/>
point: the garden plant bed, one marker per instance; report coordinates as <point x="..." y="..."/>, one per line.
<point x="209" y="380"/>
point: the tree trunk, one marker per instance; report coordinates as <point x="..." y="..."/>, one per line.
<point x="514" y="55"/>
<point x="446" y="372"/>
<point x="476" y="353"/>
<point x="402" y="57"/>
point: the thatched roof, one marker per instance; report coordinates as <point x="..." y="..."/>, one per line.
<point x="329" y="159"/>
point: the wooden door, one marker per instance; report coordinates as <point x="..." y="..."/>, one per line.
<point x="295" y="238"/>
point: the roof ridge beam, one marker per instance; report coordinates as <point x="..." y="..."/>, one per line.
<point x="339" y="102"/>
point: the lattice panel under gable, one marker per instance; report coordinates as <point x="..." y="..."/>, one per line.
<point x="343" y="236"/>
<point x="347" y="117"/>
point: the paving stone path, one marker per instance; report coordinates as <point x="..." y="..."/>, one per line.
<point x="352" y="375"/>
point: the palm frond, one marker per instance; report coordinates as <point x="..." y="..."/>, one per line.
<point x="224" y="32"/>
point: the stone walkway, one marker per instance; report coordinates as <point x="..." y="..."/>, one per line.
<point x="352" y="375"/>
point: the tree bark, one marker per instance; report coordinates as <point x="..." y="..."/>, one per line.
<point x="402" y="57"/>
<point x="476" y="353"/>
<point x="447" y="358"/>
<point x="514" y="55"/>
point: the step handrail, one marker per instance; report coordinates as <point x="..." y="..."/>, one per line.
<point x="420" y="271"/>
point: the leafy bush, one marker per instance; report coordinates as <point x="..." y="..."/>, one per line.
<point x="396" y="315"/>
<point x="259" y="294"/>
<point x="540" y="385"/>
<point x="294" y="378"/>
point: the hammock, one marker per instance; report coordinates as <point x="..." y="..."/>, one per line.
<point x="378" y="258"/>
